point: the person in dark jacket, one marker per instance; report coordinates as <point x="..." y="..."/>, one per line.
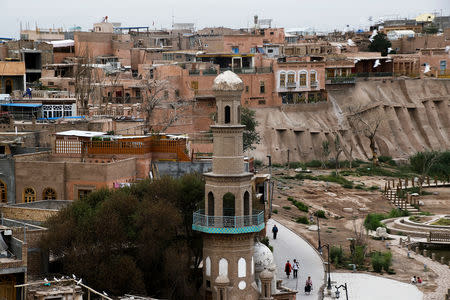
<point x="274" y="231"/>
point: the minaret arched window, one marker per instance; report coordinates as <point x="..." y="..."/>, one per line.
<point x="227" y="114"/>
<point x="210" y="204"/>
<point x="239" y="114"/>
<point x="228" y="208"/>
<point x="3" y="192"/>
<point x="246" y="203"/>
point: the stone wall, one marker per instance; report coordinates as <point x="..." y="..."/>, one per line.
<point x="27" y="214"/>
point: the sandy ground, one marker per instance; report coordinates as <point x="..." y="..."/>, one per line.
<point x="340" y="225"/>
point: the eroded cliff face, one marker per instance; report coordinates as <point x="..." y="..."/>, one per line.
<point x="415" y="116"/>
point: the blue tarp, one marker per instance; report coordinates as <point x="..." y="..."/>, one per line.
<point x="32" y="105"/>
<point x="74" y="117"/>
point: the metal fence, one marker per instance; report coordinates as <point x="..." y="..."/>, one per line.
<point x="203" y="220"/>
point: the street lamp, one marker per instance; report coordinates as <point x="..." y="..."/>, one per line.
<point x="319" y="248"/>
<point x="329" y="276"/>
<point x="338" y="293"/>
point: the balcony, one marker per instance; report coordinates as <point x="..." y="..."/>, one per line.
<point x="291" y="85"/>
<point x="314" y="84"/>
<point x="341" y="80"/>
<point x="228" y="224"/>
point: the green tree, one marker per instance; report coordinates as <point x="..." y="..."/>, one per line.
<point x="250" y="136"/>
<point x="141" y="234"/>
<point x="380" y="43"/>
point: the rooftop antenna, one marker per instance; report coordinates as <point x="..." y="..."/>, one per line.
<point x="173" y="18"/>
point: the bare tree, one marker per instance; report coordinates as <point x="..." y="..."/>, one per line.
<point x="366" y="121"/>
<point x="86" y="78"/>
<point x="156" y="96"/>
<point x="337" y="150"/>
<point x="325" y="152"/>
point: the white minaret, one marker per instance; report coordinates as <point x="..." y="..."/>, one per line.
<point x="228" y="221"/>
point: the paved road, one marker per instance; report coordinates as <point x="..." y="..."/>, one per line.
<point x="288" y="246"/>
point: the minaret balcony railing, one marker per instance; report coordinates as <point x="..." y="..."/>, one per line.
<point x="228" y="224"/>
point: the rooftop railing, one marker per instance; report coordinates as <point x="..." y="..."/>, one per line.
<point x="228" y="224"/>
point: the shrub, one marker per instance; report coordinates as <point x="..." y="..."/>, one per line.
<point x="396" y="213"/>
<point x="336" y="255"/>
<point x="359" y="187"/>
<point x="358" y="255"/>
<point x="275" y="211"/>
<point x="347" y="186"/>
<point x="374" y="188"/>
<point x="384" y="159"/>
<point x="295" y="165"/>
<point x="266" y="242"/>
<point x="372" y="221"/>
<point x="287" y="207"/>
<point x="302" y="220"/>
<point x="377" y="262"/>
<point x="258" y="163"/>
<point x="290" y="199"/>
<point x="313" y="164"/>
<point x="387" y="260"/>
<point x="301" y="206"/>
<point x="277" y="165"/>
<point x="320" y="213"/>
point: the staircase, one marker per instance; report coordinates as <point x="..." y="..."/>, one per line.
<point x="404" y="203"/>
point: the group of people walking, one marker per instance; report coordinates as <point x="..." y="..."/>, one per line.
<point x="294" y="267"/>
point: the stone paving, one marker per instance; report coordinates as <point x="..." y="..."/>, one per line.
<point x="288" y="246"/>
<point x="443" y="272"/>
<point x="368" y="287"/>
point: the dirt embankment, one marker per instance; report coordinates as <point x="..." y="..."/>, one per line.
<point x="415" y="113"/>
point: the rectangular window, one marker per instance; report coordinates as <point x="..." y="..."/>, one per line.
<point x="443" y="65"/>
<point x="282" y="79"/>
<point x="235" y="50"/>
<point x="261" y="102"/>
<point x="177" y="93"/>
<point x="330" y="73"/>
<point x="262" y="88"/>
<point x="303" y="79"/>
<point x="51" y="83"/>
<point x="246" y="88"/>
<point x="82" y="194"/>
<point x="194" y="85"/>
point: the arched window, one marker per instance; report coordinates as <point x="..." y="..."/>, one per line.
<point x="246" y="203"/>
<point x="210" y="204"/>
<point x="242" y="267"/>
<point x="223" y="267"/>
<point x="29" y="195"/>
<point x="282" y="79"/>
<point x="8" y="86"/>
<point x="3" y="192"/>
<point x="228" y="204"/>
<point x="291" y="79"/>
<point x="303" y="75"/>
<point x="227" y="114"/>
<point x="208" y="266"/>
<point x="49" y="194"/>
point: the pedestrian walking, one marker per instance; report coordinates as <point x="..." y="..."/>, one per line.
<point x="274" y="231"/>
<point x="288" y="269"/>
<point x="295" y="268"/>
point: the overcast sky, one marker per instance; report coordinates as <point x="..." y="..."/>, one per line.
<point x="318" y="14"/>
